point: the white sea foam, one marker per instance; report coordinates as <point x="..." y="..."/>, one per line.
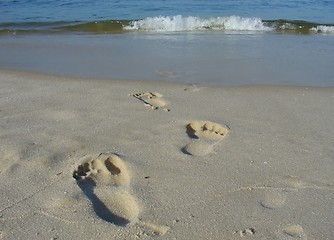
<point x="323" y="29"/>
<point x="179" y="24"/>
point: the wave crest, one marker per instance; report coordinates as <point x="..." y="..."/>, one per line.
<point x="323" y="29"/>
<point x="179" y="23"/>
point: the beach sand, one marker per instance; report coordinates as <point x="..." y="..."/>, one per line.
<point x="108" y="159"/>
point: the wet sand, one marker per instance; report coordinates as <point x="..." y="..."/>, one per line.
<point x="194" y="58"/>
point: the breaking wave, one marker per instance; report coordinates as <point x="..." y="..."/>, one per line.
<point x="168" y="24"/>
<point x="181" y="24"/>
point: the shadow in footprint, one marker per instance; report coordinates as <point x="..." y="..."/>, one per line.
<point x="87" y="186"/>
<point x="184" y="151"/>
<point x="191" y="132"/>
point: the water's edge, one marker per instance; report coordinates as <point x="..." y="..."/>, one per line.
<point x="168" y="24"/>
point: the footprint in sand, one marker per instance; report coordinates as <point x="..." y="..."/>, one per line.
<point x="9" y="160"/>
<point x="105" y="180"/>
<point x="246" y="232"/>
<point x="276" y="196"/>
<point x="166" y="74"/>
<point x="293" y="182"/>
<point x="153" y="100"/>
<point x="295" y="232"/>
<point x="205" y="135"/>
<point x="104" y="169"/>
<point x="291" y="232"/>
<point x="296" y="183"/>
<point x="273" y="199"/>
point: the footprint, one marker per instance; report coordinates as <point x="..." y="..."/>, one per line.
<point x="105" y="180"/>
<point x="9" y="160"/>
<point x="205" y="135"/>
<point x="207" y="130"/>
<point x="291" y="232"/>
<point x="105" y="169"/>
<point x="166" y="74"/>
<point x="273" y="200"/>
<point x="295" y="231"/>
<point x="296" y="183"/>
<point x="246" y="232"/>
<point x="192" y="89"/>
<point x="153" y="100"/>
<point x="293" y="181"/>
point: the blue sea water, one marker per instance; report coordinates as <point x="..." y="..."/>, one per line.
<point x="227" y="42"/>
<point x="320" y="11"/>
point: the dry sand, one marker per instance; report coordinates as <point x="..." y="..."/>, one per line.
<point x="98" y="159"/>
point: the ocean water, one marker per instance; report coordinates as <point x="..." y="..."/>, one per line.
<point x="227" y="42"/>
<point x="320" y="11"/>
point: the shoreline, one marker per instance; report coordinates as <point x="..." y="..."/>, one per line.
<point x="57" y="77"/>
<point x="160" y="160"/>
<point x="199" y="59"/>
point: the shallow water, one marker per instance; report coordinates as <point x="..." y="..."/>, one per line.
<point x="195" y="58"/>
